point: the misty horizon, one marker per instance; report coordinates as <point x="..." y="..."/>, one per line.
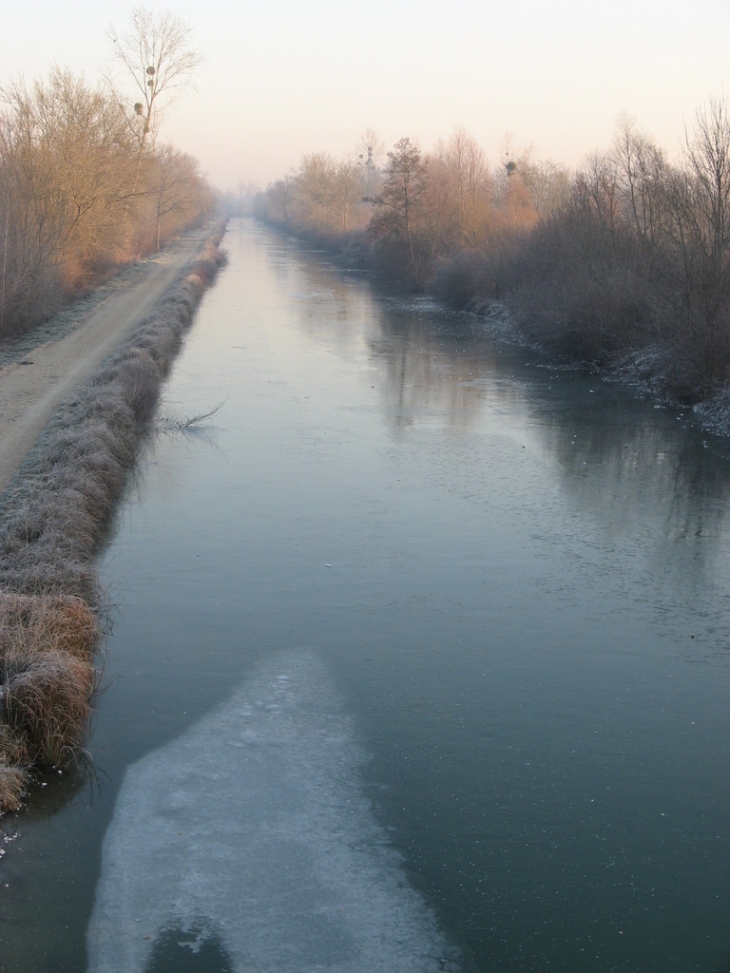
<point x="271" y="89"/>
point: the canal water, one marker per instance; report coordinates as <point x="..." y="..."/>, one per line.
<point x="419" y="661"/>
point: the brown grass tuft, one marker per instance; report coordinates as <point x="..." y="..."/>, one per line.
<point x="61" y="623"/>
<point x="46" y="703"/>
<point x="47" y="680"/>
<point x="13" y="785"/>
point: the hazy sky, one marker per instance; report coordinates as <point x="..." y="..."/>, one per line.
<point x="287" y="77"/>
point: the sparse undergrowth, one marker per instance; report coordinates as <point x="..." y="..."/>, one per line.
<point x="52" y="520"/>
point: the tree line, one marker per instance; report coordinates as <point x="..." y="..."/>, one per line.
<point x="626" y="257"/>
<point x="412" y="209"/>
<point x="86" y="185"/>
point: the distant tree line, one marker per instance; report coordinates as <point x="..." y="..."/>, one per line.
<point x="627" y="257"/>
<point x="85" y="184"/>
<point x="408" y="211"/>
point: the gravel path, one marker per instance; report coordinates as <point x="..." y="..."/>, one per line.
<point x="39" y="371"/>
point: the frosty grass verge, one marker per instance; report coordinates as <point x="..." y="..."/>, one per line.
<point x="53" y="518"/>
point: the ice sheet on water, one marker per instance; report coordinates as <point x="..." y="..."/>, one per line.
<point x="252" y="832"/>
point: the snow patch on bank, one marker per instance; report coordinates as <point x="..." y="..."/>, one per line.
<point x="250" y="839"/>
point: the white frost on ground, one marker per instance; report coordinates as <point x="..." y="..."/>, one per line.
<point x="252" y="831"/>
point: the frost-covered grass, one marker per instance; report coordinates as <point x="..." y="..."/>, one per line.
<point x="53" y="518"/>
<point x="47" y="676"/>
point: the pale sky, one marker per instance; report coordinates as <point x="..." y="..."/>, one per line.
<point x="286" y="77"/>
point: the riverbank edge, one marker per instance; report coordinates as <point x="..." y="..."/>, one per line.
<point x="54" y="516"/>
<point x="648" y="369"/>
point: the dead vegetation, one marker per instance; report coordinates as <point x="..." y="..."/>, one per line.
<point x="53" y="519"/>
<point x="189" y="424"/>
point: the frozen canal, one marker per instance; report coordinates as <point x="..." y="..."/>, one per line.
<point x="420" y="663"/>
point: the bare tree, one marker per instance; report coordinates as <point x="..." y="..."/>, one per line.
<point x="347" y="192"/>
<point x="315" y="186"/>
<point x="473" y="186"/>
<point x="401" y="199"/>
<point x="28" y="232"/>
<point x="156" y="55"/>
<point x="599" y="184"/>
<point x="370" y="153"/>
<point x="277" y="203"/>
<point x="67" y="169"/>
<point x="438" y="217"/>
<point x="708" y="157"/>
<point x="643" y="171"/>
<point x="549" y="184"/>
<point x="699" y="202"/>
<point x="90" y="152"/>
<point x="181" y="194"/>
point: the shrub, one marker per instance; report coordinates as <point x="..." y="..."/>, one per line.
<point x="461" y="279"/>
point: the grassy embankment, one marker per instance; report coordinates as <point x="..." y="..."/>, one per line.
<point x="52" y="521"/>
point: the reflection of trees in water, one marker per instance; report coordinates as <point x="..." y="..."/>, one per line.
<point x="436" y="366"/>
<point x="436" y="363"/>
<point x="331" y="307"/>
<point x="639" y="470"/>
<point x="634" y="467"/>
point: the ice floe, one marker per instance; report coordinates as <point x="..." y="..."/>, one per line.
<point x="249" y="843"/>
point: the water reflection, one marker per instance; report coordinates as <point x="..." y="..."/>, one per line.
<point x="637" y="470"/>
<point x="498" y="565"/>
<point x="432" y="373"/>
<point x="644" y="472"/>
<point x="477" y="546"/>
<point x="431" y="364"/>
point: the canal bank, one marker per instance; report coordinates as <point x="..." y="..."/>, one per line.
<point x="485" y="600"/>
<point x="56" y="510"/>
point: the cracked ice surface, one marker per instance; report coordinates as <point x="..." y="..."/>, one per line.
<point x="251" y="830"/>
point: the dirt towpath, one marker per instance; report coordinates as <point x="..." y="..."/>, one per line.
<point x="39" y="372"/>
